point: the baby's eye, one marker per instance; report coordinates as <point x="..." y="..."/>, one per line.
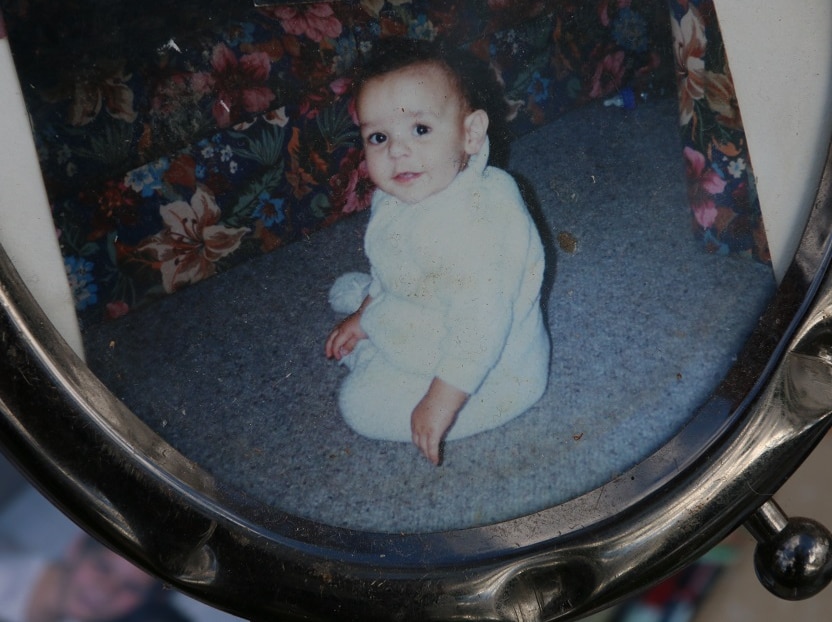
<point x="376" y="138"/>
<point x="420" y="129"/>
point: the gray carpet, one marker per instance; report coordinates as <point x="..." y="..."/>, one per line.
<point x="644" y="323"/>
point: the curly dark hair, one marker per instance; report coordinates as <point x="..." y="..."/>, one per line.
<point x="474" y="80"/>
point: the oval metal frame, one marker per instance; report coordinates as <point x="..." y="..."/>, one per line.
<point x="115" y="477"/>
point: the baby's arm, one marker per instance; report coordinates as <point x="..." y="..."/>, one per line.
<point x="344" y="337"/>
<point x="434" y="415"/>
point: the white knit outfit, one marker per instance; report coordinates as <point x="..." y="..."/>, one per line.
<point x="456" y="295"/>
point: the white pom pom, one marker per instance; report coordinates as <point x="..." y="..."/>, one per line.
<point x="349" y="291"/>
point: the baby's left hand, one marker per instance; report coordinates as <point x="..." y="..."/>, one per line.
<point x="433" y="417"/>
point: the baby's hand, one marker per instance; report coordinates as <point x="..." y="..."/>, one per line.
<point x="434" y="415"/>
<point x="344" y="337"/>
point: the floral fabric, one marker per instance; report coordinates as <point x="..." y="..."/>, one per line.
<point x="721" y="190"/>
<point x="179" y="140"/>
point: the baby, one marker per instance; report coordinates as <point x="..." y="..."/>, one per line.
<point x="445" y="337"/>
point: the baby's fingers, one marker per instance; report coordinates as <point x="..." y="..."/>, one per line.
<point x="432" y="451"/>
<point x="329" y="348"/>
<point x="337" y="343"/>
<point x="340" y="344"/>
<point x="344" y="349"/>
<point x="428" y="444"/>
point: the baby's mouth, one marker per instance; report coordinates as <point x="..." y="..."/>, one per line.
<point x="407" y="177"/>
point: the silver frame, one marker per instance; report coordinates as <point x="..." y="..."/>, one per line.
<point x="115" y="477"/>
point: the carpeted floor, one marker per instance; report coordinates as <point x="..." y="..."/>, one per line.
<point x="644" y="323"/>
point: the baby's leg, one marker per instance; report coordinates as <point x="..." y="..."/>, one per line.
<point x="492" y="407"/>
<point x="377" y="399"/>
<point x="509" y="391"/>
<point x="349" y="291"/>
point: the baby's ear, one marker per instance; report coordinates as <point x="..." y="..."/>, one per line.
<point x="476" y="129"/>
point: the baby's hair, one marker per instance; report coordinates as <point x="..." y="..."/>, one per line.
<point x="473" y="79"/>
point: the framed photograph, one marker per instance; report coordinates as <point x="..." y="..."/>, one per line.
<point x="339" y="348"/>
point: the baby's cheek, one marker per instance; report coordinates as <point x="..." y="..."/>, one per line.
<point x="375" y="167"/>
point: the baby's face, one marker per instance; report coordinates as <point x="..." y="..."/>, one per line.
<point x="413" y="124"/>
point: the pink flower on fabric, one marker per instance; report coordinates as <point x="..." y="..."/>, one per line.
<point x="604" y="9"/>
<point x="315" y="21"/>
<point x="703" y="183"/>
<point x="608" y="75"/>
<point x="237" y="84"/>
<point x="192" y="242"/>
<point x="352" y="189"/>
<point x="116" y="309"/>
<point x="340" y="86"/>
<point x="689" y="43"/>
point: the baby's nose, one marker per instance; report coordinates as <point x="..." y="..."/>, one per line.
<point x="398" y="147"/>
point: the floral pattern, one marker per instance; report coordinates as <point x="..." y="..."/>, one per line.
<point x="192" y="242"/>
<point x="317" y="21"/>
<point x="237" y="86"/>
<point x="178" y="143"/>
<point x="721" y="189"/>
